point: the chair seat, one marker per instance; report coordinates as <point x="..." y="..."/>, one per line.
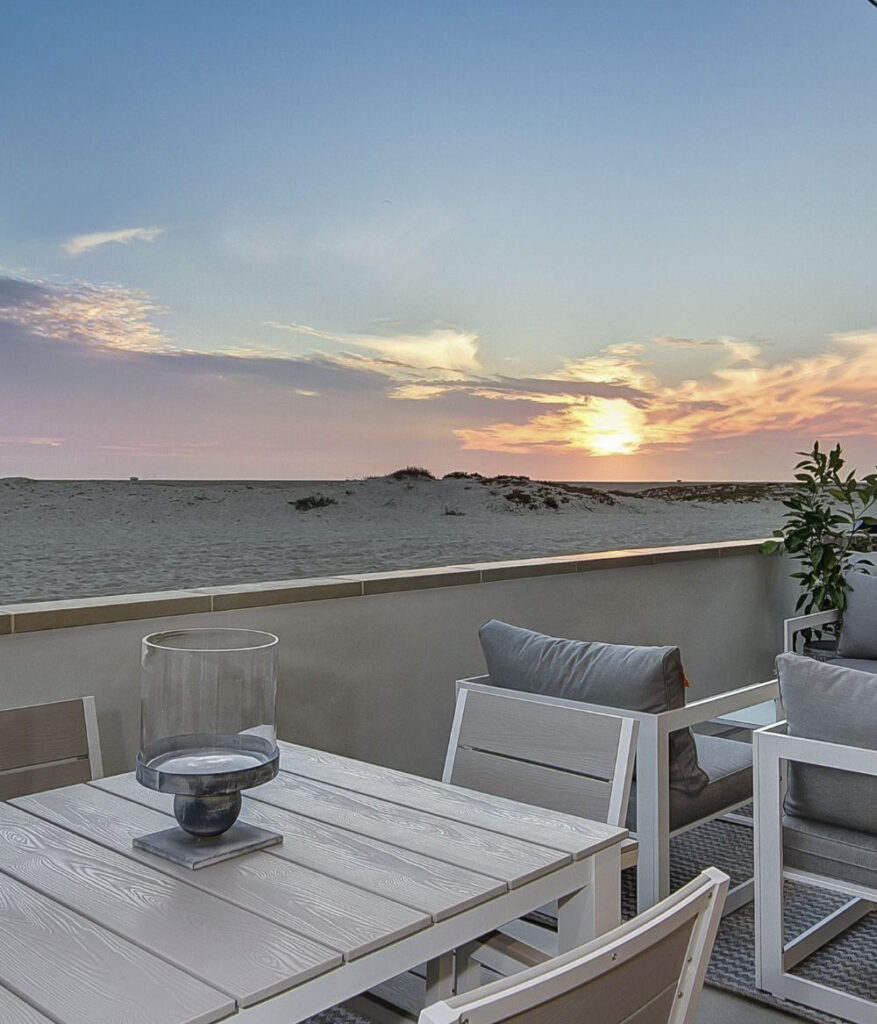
<point x="728" y="765"/>
<point x="860" y="664"/>
<point x="842" y="853"/>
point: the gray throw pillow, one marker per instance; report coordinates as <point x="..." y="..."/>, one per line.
<point x="614" y="675"/>
<point x="858" y="631"/>
<point x="838" y="705"/>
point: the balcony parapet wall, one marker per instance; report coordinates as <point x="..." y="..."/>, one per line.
<point x="368" y="661"/>
<point x="32" y="616"/>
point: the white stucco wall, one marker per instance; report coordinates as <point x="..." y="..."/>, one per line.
<point x="373" y="675"/>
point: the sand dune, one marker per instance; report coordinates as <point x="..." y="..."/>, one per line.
<point x="84" y="538"/>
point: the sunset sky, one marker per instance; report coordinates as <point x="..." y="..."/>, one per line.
<point x="585" y="240"/>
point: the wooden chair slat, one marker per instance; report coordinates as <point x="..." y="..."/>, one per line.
<point x="48" y="776"/>
<point x="532" y="783"/>
<point x="578" y="741"/>
<point x="45" y="746"/>
<point x="41" y="733"/>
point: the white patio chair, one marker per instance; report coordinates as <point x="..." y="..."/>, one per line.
<point x="44" y="746"/>
<point x="813" y="798"/>
<point x="541" y="751"/>
<point x="649" y="970"/>
<point x="535" y="750"/>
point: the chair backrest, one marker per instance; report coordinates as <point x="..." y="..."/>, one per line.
<point x="44" y="746"/>
<point x="540" y="751"/>
<point x="649" y="970"/>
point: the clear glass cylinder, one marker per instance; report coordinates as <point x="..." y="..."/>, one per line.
<point x="207" y="706"/>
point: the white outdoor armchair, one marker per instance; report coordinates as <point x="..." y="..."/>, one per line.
<point x="683" y="778"/>
<point x="662" y="813"/>
<point x="856" y="626"/>
<point x="798" y="623"/>
<point x="822" y="829"/>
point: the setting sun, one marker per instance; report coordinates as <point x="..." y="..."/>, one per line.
<point x="609" y="427"/>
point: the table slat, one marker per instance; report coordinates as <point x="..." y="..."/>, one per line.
<point x="415" y="879"/>
<point x="340" y="916"/>
<point x="576" y="836"/>
<point x="15" y="1011"/>
<point x="176" y="922"/>
<point x="512" y="860"/>
<point x="80" y="973"/>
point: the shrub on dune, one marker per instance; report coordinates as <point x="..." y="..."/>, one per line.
<point x="412" y="473"/>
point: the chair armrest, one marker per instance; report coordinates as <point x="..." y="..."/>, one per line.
<point x="799" y="622"/>
<point x="473" y="682"/>
<point x="774" y="744"/>
<point x="697" y="712"/>
<point x="700" y="711"/>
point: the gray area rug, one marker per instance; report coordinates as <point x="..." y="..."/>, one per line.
<point x="849" y="962"/>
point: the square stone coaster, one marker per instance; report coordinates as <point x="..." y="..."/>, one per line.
<point x="195" y="852"/>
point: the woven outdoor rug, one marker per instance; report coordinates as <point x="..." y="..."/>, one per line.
<point x="849" y="962"/>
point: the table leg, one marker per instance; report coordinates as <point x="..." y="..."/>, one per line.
<point x="440" y="978"/>
<point x="589" y="912"/>
<point x="467" y="972"/>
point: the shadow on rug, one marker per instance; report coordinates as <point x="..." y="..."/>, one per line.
<point x="849" y="962"/>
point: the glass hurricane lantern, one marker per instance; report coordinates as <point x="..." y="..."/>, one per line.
<point x="207" y="730"/>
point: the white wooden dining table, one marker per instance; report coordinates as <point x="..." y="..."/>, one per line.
<point x="378" y="872"/>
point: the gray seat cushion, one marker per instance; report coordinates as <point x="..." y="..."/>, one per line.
<point x="859" y="664"/>
<point x="840" y="853"/>
<point x="728" y="765"/>
<point x="614" y="675"/>
<point x="824" y="701"/>
<point x="858" y="631"/>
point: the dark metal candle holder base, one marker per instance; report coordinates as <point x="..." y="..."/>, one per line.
<point x="190" y="851"/>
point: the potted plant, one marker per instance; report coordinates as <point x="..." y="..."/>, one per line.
<point x="828" y="525"/>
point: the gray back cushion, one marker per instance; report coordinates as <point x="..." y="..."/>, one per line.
<point x="614" y="675"/>
<point x="838" y="705"/>
<point x="858" y="632"/>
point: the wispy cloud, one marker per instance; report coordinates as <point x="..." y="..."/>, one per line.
<point x="79" y="244"/>
<point x="301" y="329"/>
<point x="40" y="442"/>
<point x="390" y="241"/>
<point x="97" y="316"/>
<point x="440" y="354"/>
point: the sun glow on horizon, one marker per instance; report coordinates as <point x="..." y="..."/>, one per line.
<point x="609" y="427"/>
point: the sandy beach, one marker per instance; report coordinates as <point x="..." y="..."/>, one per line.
<point x="61" y="539"/>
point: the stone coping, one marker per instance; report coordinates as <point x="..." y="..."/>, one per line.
<point x="89" y="611"/>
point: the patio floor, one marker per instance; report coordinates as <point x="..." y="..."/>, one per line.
<point x="717" y="1007"/>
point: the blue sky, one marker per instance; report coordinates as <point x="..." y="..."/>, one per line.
<point x="591" y="240"/>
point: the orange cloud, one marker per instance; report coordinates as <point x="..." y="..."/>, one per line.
<point x="830" y="392"/>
